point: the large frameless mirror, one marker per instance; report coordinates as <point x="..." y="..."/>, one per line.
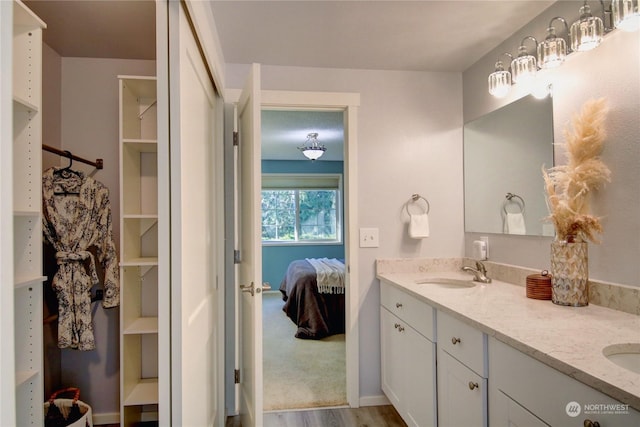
<point x="504" y="152"/>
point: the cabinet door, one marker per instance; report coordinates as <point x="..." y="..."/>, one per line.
<point x="408" y="371"/>
<point x="507" y="412"/>
<point x="391" y="355"/>
<point x="419" y="373"/>
<point x="461" y="394"/>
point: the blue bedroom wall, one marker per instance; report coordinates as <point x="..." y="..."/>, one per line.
<point x="275" y="259"/>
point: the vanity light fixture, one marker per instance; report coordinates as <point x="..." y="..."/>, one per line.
<point x="587" y="32"/>
<point x="500" y="80"/>
<point x="524" y="66"/>
<point x="553" y="50"/>
<point x="626" y="14"/>
<point x="312" y="149"/>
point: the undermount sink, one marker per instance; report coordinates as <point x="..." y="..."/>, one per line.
<point x="444" y="282"/>
<point x="626" y="356"/>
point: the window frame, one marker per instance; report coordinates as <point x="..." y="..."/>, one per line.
<point x="310" y="182"/>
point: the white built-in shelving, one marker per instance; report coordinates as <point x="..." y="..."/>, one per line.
<point x="138" y="249"/>
<point x="27" y="215"/>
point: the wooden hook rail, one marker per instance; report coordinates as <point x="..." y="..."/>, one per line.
<point x="98" y="164"/>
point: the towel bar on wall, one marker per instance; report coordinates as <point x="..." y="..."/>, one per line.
<point x="415" y="198"/>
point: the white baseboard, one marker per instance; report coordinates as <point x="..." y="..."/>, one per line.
<point x="106" y="418"/>
<point x="374" y="400"/>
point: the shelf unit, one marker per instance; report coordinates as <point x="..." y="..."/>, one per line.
<point x="138" y="250"/>
<point x="27" y="215"/>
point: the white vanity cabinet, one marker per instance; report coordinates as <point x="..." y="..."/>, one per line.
<point x="462" y="373"/>
<point x="408" y="356"/>
<point x="525" y="391"/>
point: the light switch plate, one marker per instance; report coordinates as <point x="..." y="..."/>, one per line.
<point x="369" y="238"/>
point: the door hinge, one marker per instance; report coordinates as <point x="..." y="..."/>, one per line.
<point x="236" y="376"/>
<point x="236" y="256"/>
<point x="236" y="139"/>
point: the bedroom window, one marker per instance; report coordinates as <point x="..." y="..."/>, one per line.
<point x="301" y="209"/>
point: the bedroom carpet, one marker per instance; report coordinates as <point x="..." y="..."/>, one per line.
<point x="299" y="373"/>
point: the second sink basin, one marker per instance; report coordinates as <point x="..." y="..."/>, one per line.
<point x="444" y="282"/>
<point x="626" y="356"/>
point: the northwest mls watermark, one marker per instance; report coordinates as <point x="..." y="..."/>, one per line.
<point x="573" y="409"/>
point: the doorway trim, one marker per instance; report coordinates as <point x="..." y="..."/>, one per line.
<point x="348" y="103"/>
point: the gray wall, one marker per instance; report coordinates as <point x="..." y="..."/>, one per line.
<point x="409" y="141"/>
<point x="612" y="70"/>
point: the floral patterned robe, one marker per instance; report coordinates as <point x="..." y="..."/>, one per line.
<point x="76" y="218"/>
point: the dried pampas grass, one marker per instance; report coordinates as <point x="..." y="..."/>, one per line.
<point x="569" y="186"/>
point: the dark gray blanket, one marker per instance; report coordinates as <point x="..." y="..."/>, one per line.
<point x="316" y="315"/>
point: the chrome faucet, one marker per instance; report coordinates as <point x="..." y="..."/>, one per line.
<point x="479" y="273"/>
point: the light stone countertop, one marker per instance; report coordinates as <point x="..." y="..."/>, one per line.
<point x="569" y="339"/>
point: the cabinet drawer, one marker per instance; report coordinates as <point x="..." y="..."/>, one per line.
<point x="463" y="342"/>
<point x="416" y="313"/>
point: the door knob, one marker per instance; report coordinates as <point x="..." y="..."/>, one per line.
<point x="248" y="288"/>
<point x="472" y="385"/>
<point x="455" y="340"/>
<point x="266" y="286"/>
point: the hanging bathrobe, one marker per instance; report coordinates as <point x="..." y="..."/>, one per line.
<point x="77" y="218"/>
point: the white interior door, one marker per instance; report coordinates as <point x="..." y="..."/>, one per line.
<point x="250" y="268"/>
<point x="194" y="237"/>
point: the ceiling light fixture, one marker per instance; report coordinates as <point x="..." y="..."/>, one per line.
<point x="587" y="32"/>
<point x="312" y="149"/>
<point x="553" y="50"/>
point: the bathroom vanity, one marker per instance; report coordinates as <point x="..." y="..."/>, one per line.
<point x="457" y="352"/>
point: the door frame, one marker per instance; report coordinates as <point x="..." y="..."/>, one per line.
<point x="348" y="103"/>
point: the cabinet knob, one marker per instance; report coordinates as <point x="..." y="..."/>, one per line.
<point x="473" y="386"/>
<point x="455" y="340"/>
<point x="398" y="305"/>
<point x="397" y="325"/>
<point x="589" y="423"/>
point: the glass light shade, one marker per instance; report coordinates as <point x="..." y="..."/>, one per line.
<point x="587" y="32"/>
<point x="499" y="81"/>
<point x="552" y="51"/>
<point x="523" y="67"/>
<point x="313" y="153"/>
<point x="626" y="15"/>
<point x="312" y="149"/>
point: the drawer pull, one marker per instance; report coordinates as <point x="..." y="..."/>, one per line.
<point x="589" y="423"/>
<point x="455" y="340"/>
<point x="398" y="305"/>
<point x="473" y="386"/>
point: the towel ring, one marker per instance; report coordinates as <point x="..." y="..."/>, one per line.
<point x="415" y="198"/>
<point x="510" y="197"/>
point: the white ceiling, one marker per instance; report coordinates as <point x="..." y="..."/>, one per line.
<point x="417" y="35"/>
<point x="382" y="35"/>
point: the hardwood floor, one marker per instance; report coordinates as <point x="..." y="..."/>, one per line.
<point x="368" y="416"/>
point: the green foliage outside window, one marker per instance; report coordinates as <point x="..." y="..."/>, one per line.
<point x="299" y="215"/>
